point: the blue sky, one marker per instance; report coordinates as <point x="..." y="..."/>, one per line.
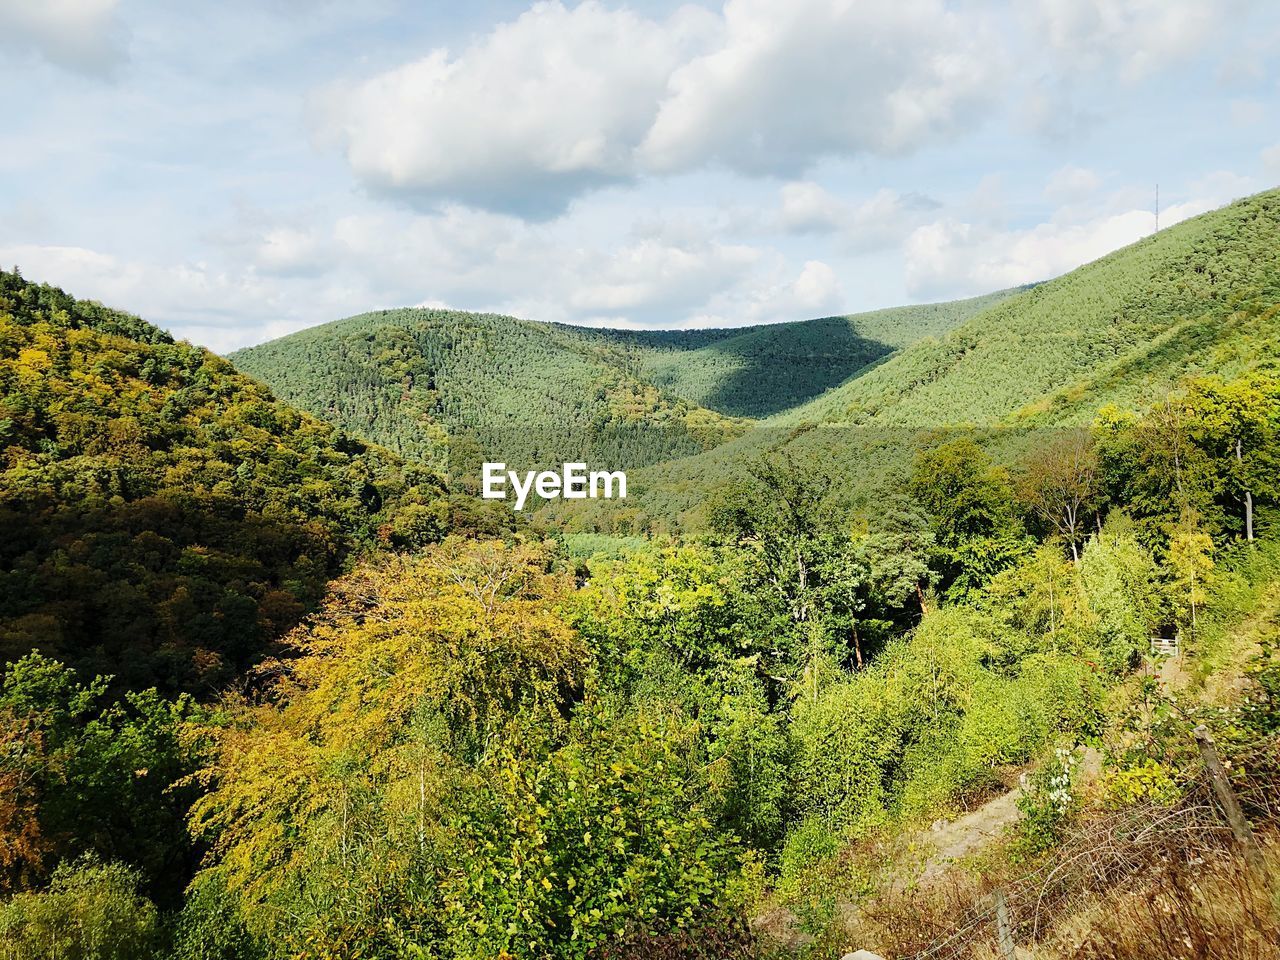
<point x="234" y="171"/>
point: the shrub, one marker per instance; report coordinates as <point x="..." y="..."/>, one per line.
<point x="1047" y="803"/>
<point x="90" y="911"/>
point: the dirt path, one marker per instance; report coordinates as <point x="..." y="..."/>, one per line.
<point x="968" y="834"/>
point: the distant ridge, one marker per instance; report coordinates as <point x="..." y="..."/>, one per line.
<point x="438" y="385"/>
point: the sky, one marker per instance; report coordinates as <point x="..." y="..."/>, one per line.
<point x="234" y="171"/>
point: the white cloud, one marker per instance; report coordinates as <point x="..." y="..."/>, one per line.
<point x="561" y="100"/>
<point x="1131" y="38"/>
<point x="1075" y="53"/>
<point x="808" y="207"/>
<point x="289" y="251"/>
<point x="272" y="278"/>
<point x="85" y="36"/>
<point x="951" y="258"/>
<point x="793" y="82"/>
<point x="653" y="277"/>
<point x="813" y="292"/>
<point x="879" y="221"/>
<point x="524" y="118"/>
<point x="193" y="300"/>
<point x="1271" y="162"/>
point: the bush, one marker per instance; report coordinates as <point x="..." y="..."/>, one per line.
<point x="211" y="927"/>
<point x="808" y="844"/>
<point x="90" y="911"/>
<point x="1047" y="803"/>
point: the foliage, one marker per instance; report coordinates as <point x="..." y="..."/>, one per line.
<point x="90" y="911"/>
<point x="442" y="386"/>
<point x="211" y="926"/>
<point x="1202" y="296"/>
<point x="165" y="517"/>
<point x="1191" y="568"/>
<point x="96" y="777"/>
<point x="563" y="853"/>
<point x="1047" y="802"/>
<point x="1121" y="581"/>
<point x="477" y="747"/>
<point x="682" y="629"/>
<point x="1147" y="781"/>
<point x="970" y="502"/>
<point x="457" y="389"/>
<point x="419" y="760"/>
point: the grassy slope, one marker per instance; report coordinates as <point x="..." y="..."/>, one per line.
<point x="1198" y="297"/>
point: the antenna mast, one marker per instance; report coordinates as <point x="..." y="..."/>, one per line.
<point x="1157" y="208"/>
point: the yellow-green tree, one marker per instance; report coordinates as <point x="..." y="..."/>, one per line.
<point x="1190" y="559"/>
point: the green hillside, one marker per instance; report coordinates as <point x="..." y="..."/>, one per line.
<point x="524" y="392"/>
<point x="763" y="370"/>
<point x="532" y="393"/>
<point x="164" y="516"/>
<point x="1116" y="330"/>
<point x="1199" y="297"/>
<point x="701" y="747"/>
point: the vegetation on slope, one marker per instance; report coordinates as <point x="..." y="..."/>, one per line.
<point x="1199" y="297"/>
<point x="164" y="516"/>
<point x="453" y="388"/>
<point x="763" y="370"/>
<point x="1118" y="330"/>
<point x="486" y="749"/>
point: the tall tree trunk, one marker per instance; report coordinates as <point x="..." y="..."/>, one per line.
<point x="857" y="644"/>
<point x="920" y="595"/>
<point x="1248" y="496"/>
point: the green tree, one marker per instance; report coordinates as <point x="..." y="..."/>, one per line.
<point x="1190" y="557"/>
<point x="90" y="911"/>
<point x="1237" y="423"/>
<point x="1061" y="485"/>
<point x="970" y="502"/>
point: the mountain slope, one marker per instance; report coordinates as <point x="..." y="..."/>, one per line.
<point x="763" y="370"/>
<point x="1112" y="331"/>
<point x="164" y="516"/>
<point x="531" y="393"/>
<point x="1198" y="297"/>
<point x="526" y="393"/>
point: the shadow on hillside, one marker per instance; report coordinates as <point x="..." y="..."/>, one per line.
<point x="777" y="370"/>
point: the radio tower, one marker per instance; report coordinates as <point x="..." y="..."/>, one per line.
<point x="1157" y="208"/>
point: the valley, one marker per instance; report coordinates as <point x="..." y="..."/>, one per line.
<point x="858" y="656"/>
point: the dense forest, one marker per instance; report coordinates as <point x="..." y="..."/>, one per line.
<point x="488" y="739"/>
<point x="454" y="389"/>
<point x="164" y="516"/>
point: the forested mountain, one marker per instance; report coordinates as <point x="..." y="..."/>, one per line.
<point x="533" y="393"/>
<point x="721" y="747"/>
<point x="164" y="516"/>
<point x="452" y="388"/>
<point x="762" y="370"/>
<point x="1198" y="297"/>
